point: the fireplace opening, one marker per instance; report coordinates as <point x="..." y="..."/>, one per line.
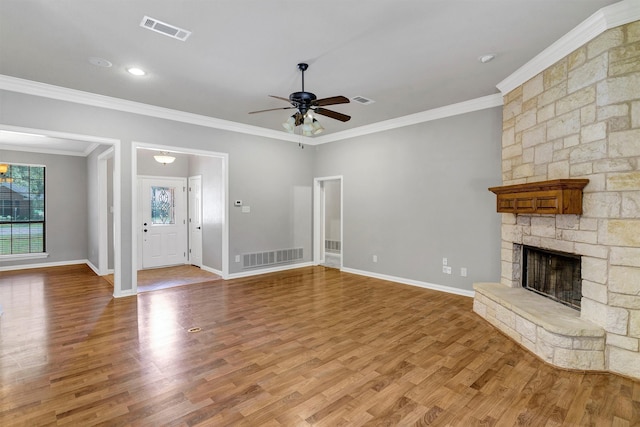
<point x="555" y="275"/>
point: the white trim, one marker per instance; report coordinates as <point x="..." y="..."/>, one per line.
<point x="604" y="19"/>
<point x="268" y="270"/>
<point x="426" y="285"/>
<point x="20" y="257"/>
<point x="45" y="265"/>
<point x="489" y="101"/>
<point x="94" y="268"/>
<point x="86" y="98"/>
<point x="211" y="270"/>
<point x="318" y="216"/>
<point x="122" y="294"/>
<point x="44" y="90"/>
<point x="103" y="217"/>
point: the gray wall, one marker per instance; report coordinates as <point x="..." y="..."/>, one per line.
<point x="66" y="205"/>
<point x="273" y="176"/>
<point x="412" y="195"/>
<point x="416" y="194"/>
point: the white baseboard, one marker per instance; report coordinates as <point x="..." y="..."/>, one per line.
<point x="268" y="270"/>
<point x="441" y="288"/>
<point x="125" y="293"/>
<point x="211" y="270"/>
<point x="46" y="264"/>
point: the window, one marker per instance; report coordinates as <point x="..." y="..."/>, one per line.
<point x="22" y="229"/>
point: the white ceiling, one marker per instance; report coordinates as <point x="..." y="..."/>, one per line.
<point x="407" y="55"/>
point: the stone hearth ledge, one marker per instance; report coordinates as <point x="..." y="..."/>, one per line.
<point x="552" y="331"/>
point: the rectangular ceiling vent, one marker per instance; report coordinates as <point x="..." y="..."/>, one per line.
<point x="362" y="100"/>
<point x="164" y="28"/>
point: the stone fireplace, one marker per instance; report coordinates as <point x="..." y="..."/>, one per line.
<point x="579" y="118"/>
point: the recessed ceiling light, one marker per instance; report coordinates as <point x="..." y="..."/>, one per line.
<point x="100" y="62"/>
<point x="486" y="58"/>
<point x="136" y="71"/>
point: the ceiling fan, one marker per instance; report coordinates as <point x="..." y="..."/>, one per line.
<point x="305" y="102"/>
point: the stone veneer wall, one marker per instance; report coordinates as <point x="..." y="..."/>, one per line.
<point x="580" y="118"/>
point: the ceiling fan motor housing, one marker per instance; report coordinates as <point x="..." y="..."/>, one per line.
<point x="302" y="100"/>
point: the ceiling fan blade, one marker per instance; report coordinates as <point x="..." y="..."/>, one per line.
<point x="331" y="101"/>
<point x="333" y="114"/>
<point x="280" y="97"/>
<point x="270" y="109"/>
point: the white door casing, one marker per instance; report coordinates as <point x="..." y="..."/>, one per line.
<point x="319" y="214"/>
<point x="195" y="220"/>
<point x="164" y="226"/>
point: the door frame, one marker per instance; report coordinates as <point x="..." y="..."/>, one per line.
<point x="134" y="206"/>
<point x="104" y="210"/>
<point x="319" y="218"/>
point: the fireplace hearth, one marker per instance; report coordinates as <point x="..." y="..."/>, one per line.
<point x="555" y="275"/>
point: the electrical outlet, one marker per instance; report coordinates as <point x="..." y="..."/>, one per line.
<point x="445" y="261"/>
<point x="237" y="258"/>
<point x="375" y="258"/>
<point x="463" y="271"/>
<point x="446" y="269"/>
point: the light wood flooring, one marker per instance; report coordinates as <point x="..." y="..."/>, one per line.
<point x="311" y="346"/>
<point x="170" y="277"/>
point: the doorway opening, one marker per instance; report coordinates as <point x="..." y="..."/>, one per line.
<point x="327" y="221"/>
<point x="205" y="222"/>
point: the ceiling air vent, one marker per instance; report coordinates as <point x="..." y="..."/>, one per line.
<point x="362" y="100"/>
<point x="164" y="28"/>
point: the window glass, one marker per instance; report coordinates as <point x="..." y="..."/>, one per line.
<point x="22" y="205"/>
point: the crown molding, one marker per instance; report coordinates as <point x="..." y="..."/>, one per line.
<point x="476" y="104"/>
<point x="30" y="87"/>
<point x="45" y="90"/>
<point x="604" y="19"/>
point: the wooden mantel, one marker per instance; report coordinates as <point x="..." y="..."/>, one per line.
<point x="558" y="196"/>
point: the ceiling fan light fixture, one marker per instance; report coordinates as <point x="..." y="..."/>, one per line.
<point x="316" y="127"/>
<point x="164" y="158"/>
<point x="290" y="124"/>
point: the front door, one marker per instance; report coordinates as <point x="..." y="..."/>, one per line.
<point x="164" y="225"/>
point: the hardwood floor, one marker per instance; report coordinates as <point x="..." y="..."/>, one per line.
<point x="311" y="346"/>
<point x="170" y="277"/>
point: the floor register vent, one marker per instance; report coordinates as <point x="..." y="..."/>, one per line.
<point x="261" y="259"/>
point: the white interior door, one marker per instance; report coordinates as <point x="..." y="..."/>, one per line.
<point x="195" y="220"/>
<point x="164" y="225"/>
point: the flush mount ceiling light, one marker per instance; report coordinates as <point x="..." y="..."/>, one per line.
<point x="100" y="62"/>
<point x="136" y="71"/>
<point x="164" y="158"/>
<point x="486" y="58"/>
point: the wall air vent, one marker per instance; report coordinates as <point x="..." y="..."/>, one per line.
<point x="164" y="28"/>
<point x="261" y="259"/>
<point x="362" y="100"/>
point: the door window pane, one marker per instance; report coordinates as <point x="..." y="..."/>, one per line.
<point x="162" y="205"/>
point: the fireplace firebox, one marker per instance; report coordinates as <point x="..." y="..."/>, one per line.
<point x="555" y="275"/>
